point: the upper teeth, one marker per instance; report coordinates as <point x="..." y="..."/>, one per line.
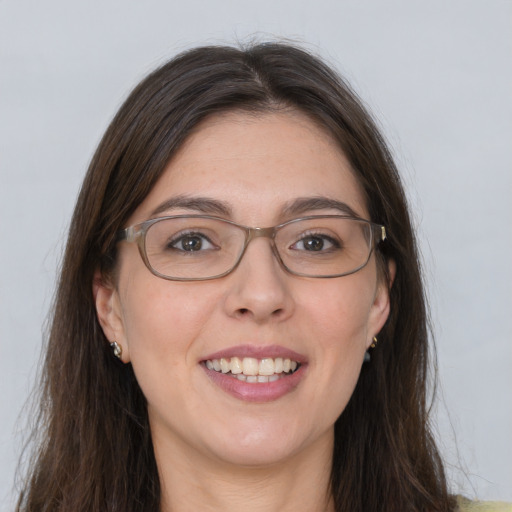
<point x="252" y="366"/>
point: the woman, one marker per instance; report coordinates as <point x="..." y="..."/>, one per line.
<point x="199" y="362"/>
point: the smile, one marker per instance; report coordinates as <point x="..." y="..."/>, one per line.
<point x="256" y="373"/>
<point x="253" y="370"/>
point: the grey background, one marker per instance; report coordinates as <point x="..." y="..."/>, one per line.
<point x="436" y="74"/>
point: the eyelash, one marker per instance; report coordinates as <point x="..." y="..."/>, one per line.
<point x="335" y="243"/>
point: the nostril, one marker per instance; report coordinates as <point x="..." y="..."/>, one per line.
<point x="247" y="311"/>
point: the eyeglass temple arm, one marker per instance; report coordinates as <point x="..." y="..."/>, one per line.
<point x="129" y="234"/>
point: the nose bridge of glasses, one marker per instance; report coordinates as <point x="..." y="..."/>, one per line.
<point x="252" y="233"/>
<point x="260" y="233"/>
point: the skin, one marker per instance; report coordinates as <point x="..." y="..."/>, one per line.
<point x="215" y="451"/>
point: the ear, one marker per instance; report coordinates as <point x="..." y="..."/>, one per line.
<point x="109" y="312"/>
<point x="381" y="303"/>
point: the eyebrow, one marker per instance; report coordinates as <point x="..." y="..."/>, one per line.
<point x="211" y="206"/>
<point x="303" y="205"/>
<point x="199" y="204"/>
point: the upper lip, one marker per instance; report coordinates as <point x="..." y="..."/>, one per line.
<point x="258" y="352"/>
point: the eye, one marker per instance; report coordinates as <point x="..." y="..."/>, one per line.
<point x="191" y="242"/>
<point x="316" y="243"/>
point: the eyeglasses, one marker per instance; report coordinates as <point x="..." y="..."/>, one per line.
<point x="201" y="247"/>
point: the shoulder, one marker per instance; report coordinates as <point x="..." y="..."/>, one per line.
<point x="465" y="505"/>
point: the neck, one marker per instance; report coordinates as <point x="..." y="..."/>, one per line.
<point x="195" y="482"/>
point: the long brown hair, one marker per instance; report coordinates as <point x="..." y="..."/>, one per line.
<point x="94" y="451"/>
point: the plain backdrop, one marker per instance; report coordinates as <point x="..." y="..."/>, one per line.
<point x="437" y="76"/>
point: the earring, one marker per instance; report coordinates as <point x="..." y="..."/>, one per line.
<point x="367" y="356"/>
<point x="116" y="349"/>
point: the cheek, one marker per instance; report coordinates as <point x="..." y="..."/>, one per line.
<point x="163" y="323"/>
<point x="338" y="330"/>
<point x="341" y="312"/>
<point x="163" y="318"/>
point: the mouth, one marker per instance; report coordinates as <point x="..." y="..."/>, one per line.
<point x="253" y="370"/>
<point x="256" y="373"/>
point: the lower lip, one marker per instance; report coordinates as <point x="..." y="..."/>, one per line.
<point x="258" y="391"/>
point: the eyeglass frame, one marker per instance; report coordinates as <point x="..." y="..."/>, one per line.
<point x="137" y="234"/>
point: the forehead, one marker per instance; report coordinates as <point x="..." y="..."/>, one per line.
<point x="257" y="163"/>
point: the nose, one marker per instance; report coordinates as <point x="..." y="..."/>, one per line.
<point x="259" y="288"/>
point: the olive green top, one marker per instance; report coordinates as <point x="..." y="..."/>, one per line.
<point x="466" y="505"/>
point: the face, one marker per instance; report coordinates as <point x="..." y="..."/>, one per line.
<point x="252" y="169"/>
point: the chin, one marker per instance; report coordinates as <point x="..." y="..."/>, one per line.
<point x="256" y="456"/>
<point x="265" y="444"/>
